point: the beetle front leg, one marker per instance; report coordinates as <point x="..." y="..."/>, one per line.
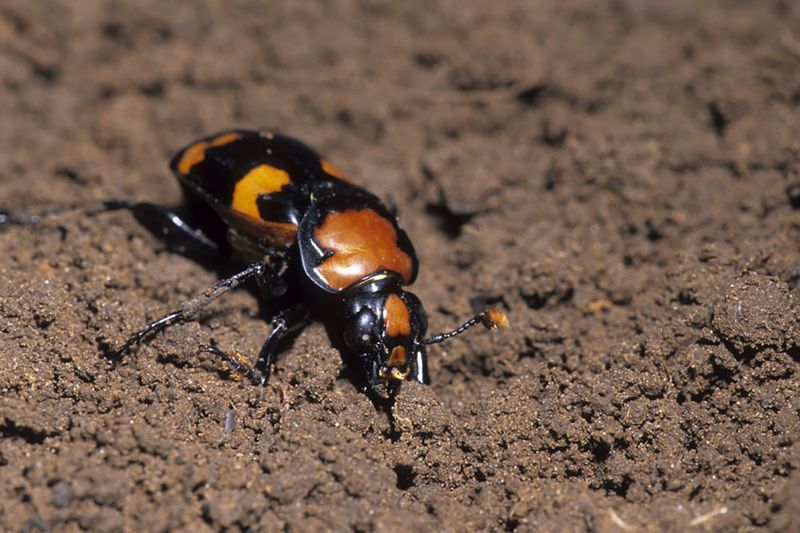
<point x="284" y="323"/>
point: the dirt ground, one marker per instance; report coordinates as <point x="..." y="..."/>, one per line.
<point x="623" y="178"/>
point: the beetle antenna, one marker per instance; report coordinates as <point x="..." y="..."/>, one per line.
<point x="490" y="318"/>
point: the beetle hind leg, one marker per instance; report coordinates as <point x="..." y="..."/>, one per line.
<point x="172" y="228"/>
<point x="167" y="225"/>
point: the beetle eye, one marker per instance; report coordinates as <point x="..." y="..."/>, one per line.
<point x="358" y="333"/>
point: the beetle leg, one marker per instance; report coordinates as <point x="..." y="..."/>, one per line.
<point x="237" y="365"/>
<point x="284" y="323"/>
<point x="179" y="235"/>
<point x="89" y="209"/>
<point x="7" y="219"/>
<point x="189" y="309"/>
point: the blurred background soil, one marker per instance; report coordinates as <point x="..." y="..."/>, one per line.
<point x="622" y="177"/>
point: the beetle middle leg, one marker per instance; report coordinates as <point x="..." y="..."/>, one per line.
<point x="189" y="309"/>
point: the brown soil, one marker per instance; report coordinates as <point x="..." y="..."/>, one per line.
<point x="622" y="177"/>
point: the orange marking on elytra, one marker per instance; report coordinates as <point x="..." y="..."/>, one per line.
<point x="225" y="138"/>
<point x="196" y="153"/>
<point x="396" y="316"/>
<point x="362" y="242"/>
<point x="331" y="170"/>
<point x="191" y="156"/>
<point x="263" y="179"/>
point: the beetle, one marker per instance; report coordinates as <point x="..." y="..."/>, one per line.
<point x="311" y="239"/>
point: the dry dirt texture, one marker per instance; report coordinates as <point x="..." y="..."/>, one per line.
<point x="623" y="178"/>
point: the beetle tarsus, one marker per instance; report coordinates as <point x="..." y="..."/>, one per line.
<point x="237" y="366"/>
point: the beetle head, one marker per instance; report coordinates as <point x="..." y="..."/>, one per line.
<point x="385" y="326"/>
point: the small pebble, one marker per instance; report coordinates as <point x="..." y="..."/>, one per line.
<point x="230" y="419"/>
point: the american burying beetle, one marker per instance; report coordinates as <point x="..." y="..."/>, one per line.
<point x="313" y="241"/>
